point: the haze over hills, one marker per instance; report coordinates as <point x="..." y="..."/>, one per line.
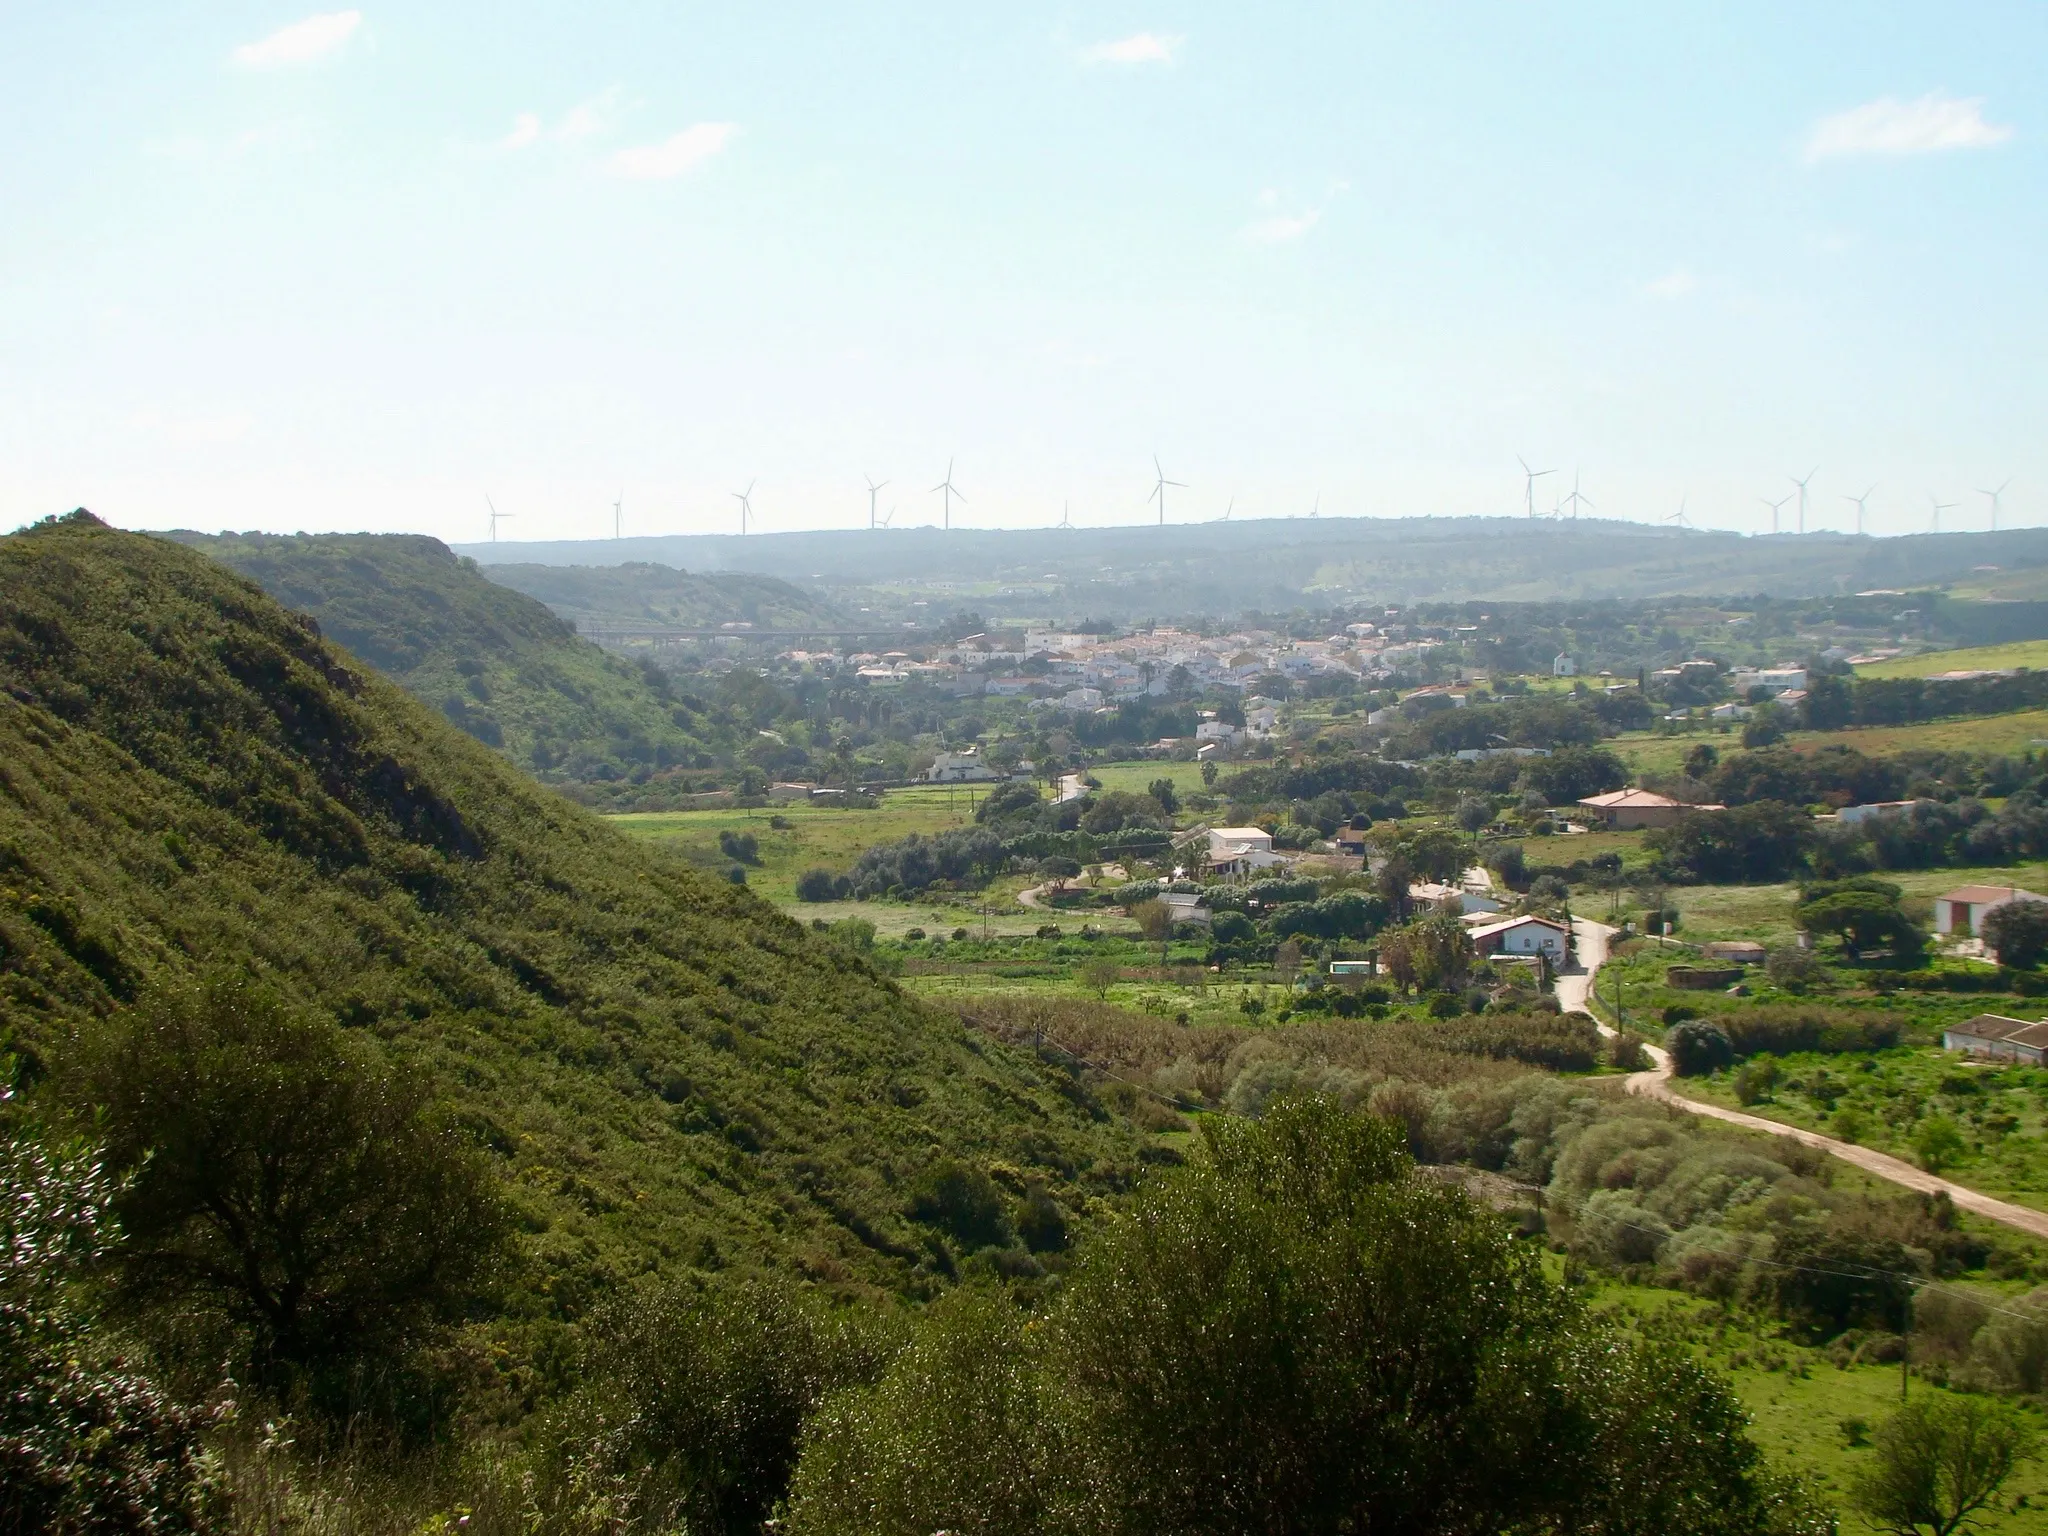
<point x="1277" y="564"/>
<point x="192" y="780"/>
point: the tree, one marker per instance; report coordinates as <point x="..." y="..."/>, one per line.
<point x="1164" y="792"/>
<point x="1289" y="1334"/>
<point x="821" y="885"/>
<point x="1155" y="921"/>
<point x="1098" y="976"/>
<point x="1209" y="771"/>
<point x="1701" y="761"/>
<point x="1766" y="728"/>
<point x="1863" y="918"/>
<point x="1937" y="1462"/>
<point x="1474" y="814"/>
<point x="282" y="1174"/>
<point x="1698" y="1047"/>
<point x="1938" y="1143"/>
<point x="2017" y="932"/>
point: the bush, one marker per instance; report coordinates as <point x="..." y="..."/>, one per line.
<point x="740" y="847"/>
<point x="1784" y="1029"/>
<point x="963" y="1203"/>
<point x="1698" y="1047"/>
<point x="818" y="884"/>
<point x="85" y="1443"/>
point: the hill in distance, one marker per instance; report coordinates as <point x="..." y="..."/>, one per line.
<point x="1275" y="565"/>
<point x="637" y="594"/>
<point x="665" y="1071"/>
<point x="495" y="661"/>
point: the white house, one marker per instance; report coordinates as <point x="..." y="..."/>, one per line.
<point x="1081" y="700"/>
<point x="1186" y="907"/>
<point x="1215" y="730"/>
<point x="966" y="767"/>
<point x="1563" y="666"/>
<point x="1240" y="850"/>
<point x="1522" y="936"/>
<point x="1962" y="910"/>
<point x="1430" y="894"/>
<point x="1991" y="1034"/>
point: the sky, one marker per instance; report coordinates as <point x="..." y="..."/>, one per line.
<point x="269" y="267"/>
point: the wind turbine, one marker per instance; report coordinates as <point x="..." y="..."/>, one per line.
<point x="890" y="518"/>
<point x="872" y="488"/>
<point x="1940" y="507"/>
<point x="1679" y="516"/>
<point x="946" y="485"/>
<point x="1232" y="507"/>
<point x="1994" y="495"/>
<point x="1576" y="499"/>
<point x="746" y="500"/>
<point x="496" y="517"/>
<point x="1802" y="493"/>
<point x="619" y="515"/>
<point x="1066" y="515"/>
<point x="1531" y="476"/>
<point x="1774" y="506"/>
<point x="1159" y="490"/>
<point x="1317" y="509"/>
<point x="1859" y="500"/>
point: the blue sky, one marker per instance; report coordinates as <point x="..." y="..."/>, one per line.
<point x="265" y="266"/>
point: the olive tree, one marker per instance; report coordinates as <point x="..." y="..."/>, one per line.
<point x="283" y="1178"/>
<point x="1937" y="1462"/>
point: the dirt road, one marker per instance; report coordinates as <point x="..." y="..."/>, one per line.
<point x="1572" y="990"/>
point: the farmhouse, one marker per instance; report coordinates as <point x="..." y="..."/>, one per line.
<point x="1522" y="936"/>
<point x="1626" y="810"/>
<point x="1240" y="850"/>
<point x="1994" y="1035"/>
<point x="1962" y="910"/>
<point x="965" y="767"/>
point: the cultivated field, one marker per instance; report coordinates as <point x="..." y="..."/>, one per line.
<point x="2020" y="653"/>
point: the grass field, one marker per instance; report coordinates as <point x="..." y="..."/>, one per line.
<point x="1136" y="777"/>
<point x="1648" y="753"/>
<point x="831" y="836"/>
<point x="2020" y="653"/>
<point x="1800" y="1400"/>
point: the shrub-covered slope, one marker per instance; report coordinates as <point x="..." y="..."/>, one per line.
<point x="665" y="1069"/>
<point x="643" y="593"/>
<point x="496" y="662"/>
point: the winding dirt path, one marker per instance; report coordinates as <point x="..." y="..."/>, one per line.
<point x="1572" y="990"/>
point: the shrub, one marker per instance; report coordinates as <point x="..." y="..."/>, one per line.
<point x="964" y="1203"/>
<point x="1698" y="1047"/>
<point x="85" y="1443"/>
<point x="1785" y="1029"/>
<point x="740" y="847"/>
<point x="819" y="884"/>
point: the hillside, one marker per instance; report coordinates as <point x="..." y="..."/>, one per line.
<point x="1277" y="564"/>
<point x="493" y="660"/>
<point x="666" y="1071"/>
<point x="637" y="594"/>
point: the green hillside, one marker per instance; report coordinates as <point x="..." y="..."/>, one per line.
<point x="641" y="593"/>
<point x="494" y="661"/>
<point x="665" y="1071"/>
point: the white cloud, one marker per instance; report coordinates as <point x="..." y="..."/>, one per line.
<point x="1678" y="283"/>
<point x="1889" y="126"/>
<point x="525" y="131"/>
<point x="1138" y="48"/>
<point x="674" y="156"/>
<point x="583" y="121"/>
<point x="301" y="42"/>
<point x="1281" y="227"/>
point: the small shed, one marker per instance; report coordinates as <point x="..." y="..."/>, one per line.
<point x="2002" y="1039"/>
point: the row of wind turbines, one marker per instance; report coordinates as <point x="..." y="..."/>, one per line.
<point x="1565" y="508"/>
<point x="1574" y="500"/>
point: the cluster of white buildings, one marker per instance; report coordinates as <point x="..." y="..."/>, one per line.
<point x="1083" y="673"/>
